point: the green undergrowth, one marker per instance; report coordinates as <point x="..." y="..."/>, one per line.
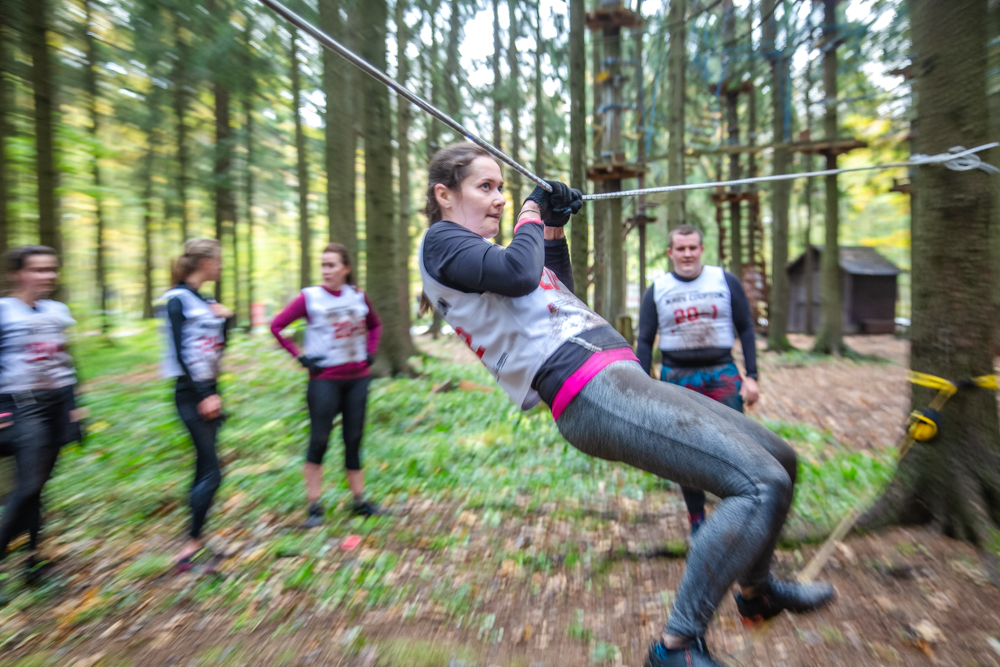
<point x="119" y="503"/>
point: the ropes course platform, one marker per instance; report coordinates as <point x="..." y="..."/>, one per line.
<point x="615" y="171"/>
<point x="720" y="197"/>
<point x="613" y="17"/>
<point x="903" y="185"/>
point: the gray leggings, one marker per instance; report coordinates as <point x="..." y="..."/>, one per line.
<point x="677" y="434"/>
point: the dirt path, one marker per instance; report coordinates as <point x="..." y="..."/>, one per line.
<point x="522" y="585"/>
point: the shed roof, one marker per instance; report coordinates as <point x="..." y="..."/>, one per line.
<point x="857" y="261"/>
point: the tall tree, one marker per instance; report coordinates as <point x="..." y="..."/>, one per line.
<point x="954" y="481"/>
<point x="829" y="338"/>
<point x="383" y="285"/>
<point x="302" y="167"/>
<point x="225" y="206"/>
<point x="732" y="90"/>
<point x="777" y="315"/>
<point x="579" y="231"/>
<point x="4" y="131"/>
<point x="600" y="205"/>
<point x="807" y="201"/>
<point x="433" y="128"/>
<point x="676" y="66"/>
<point x="152" y="132"/>
<point x="497" y="95"/>
<point x="36" y="31"/>
<point x="403" y="117"/>
<point x="341" y="140"/>
<point x="452" y="76"/>
<point x="514" y="103"/>
<point x="539" y="104"/>
<point x="180" y="80"/>
<point x="90" y="80"/>
<point x="249" y="93"/>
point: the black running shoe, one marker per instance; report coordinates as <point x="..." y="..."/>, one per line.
<point x="694" y="654"/>
<point x="776" y="596"/>
<point x="366" y="509"/>
<point x="315" y="517"/>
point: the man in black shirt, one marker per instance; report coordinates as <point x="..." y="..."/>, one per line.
<point x="699" y="311"/>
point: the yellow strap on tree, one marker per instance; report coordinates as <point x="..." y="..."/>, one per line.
<point x="986" y="382"/>
<point x="933" y="382"/>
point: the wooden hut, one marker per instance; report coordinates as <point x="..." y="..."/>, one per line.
<point x="867" y="291"/>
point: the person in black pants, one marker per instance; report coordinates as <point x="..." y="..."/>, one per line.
<point x="195" y="329"/>
<point x="37" y="389"/>
<point x="699" y="312"/>
<point x="341" y="338"/>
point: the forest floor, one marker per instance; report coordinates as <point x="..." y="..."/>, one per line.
<point x="505" y="546"/>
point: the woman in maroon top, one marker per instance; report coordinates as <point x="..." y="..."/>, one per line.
<point x="341" y="339"/>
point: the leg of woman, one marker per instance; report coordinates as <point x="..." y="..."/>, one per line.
<point x="323" y="399"/>
<point x="355" y="403"/>
<point x="207" y="475"/>
<point x="35" y="453"/>
<point x="623" y="415"/>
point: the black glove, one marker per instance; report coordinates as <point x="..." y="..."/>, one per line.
<point x="312" y="363"/>
<point x="558" y="205"/>
<point x="370" y="360"/>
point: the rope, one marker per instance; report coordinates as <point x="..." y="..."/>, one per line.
<point x="382" y="77"/>
<point x="956" y="159"/>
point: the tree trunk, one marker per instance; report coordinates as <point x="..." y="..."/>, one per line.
<point x="452" y="97"/>
<point x="45" y="110"/>
<point x="600" y="205"/>
<point x="614" y="152"/>
<point x="302" y="168"/>
<point x="807" y="198"/>
<point x="676" y="65"/>
<point x="953" y="480"/>
<point x="514" y="100"/>
<point x="180" y="112"/>
<point x="733" y="126"/>
<point x="249" y="92"/>
<point x="149" y="159"/>
<point x="640" y="121"/>
<point x="579" y="232"/>
<point x="5" y="191"/>
<point x="497" y="94"/>
<point x="539" y="104"/>
<point x="829" y="339"/>
<point x="341" y="141"/>
<point x="403" y="116"/>
<point x="433" y="126"/>
<point x="90" y="80"/>
<point x="383" y="286"/>
<point x="777" y="310"/>
<point x="223" y="165"/>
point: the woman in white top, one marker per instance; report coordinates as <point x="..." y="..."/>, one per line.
<point x="515" y="309"/>
<point x="37" y="384"/>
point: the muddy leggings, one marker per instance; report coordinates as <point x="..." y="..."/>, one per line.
<point x="624" y="415"/>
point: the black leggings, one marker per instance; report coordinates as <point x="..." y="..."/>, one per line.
<point x="35" y="438"/>
<point x="327" y="399"/>
<point x="207" y="475"/>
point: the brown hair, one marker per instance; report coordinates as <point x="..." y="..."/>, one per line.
<point x="16" y="258"/>
<point x="449" y="167"/>
<point x="684" y="230"/>
<point x="195" y="250"/>
<point x="345" y="258"/>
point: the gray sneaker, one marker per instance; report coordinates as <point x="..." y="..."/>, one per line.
<point x="315" y="518"/>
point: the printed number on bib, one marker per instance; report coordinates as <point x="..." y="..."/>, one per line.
<point x="348" y="329"/>
<point x="41" y="351"/>
<point x="461" y="333"/>
<point x="209" y="345"/>
<point x="692" y="314"/>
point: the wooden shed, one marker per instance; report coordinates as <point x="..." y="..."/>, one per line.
<point x="867" y="291"/>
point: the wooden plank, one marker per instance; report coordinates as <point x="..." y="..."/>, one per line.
<point x="613" y="17"/>
<point x="616" y="171"/>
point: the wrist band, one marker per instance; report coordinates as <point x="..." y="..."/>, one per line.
<point x="527" y="221"/>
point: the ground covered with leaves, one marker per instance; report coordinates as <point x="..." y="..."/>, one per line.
<point x="505" y="545"/>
